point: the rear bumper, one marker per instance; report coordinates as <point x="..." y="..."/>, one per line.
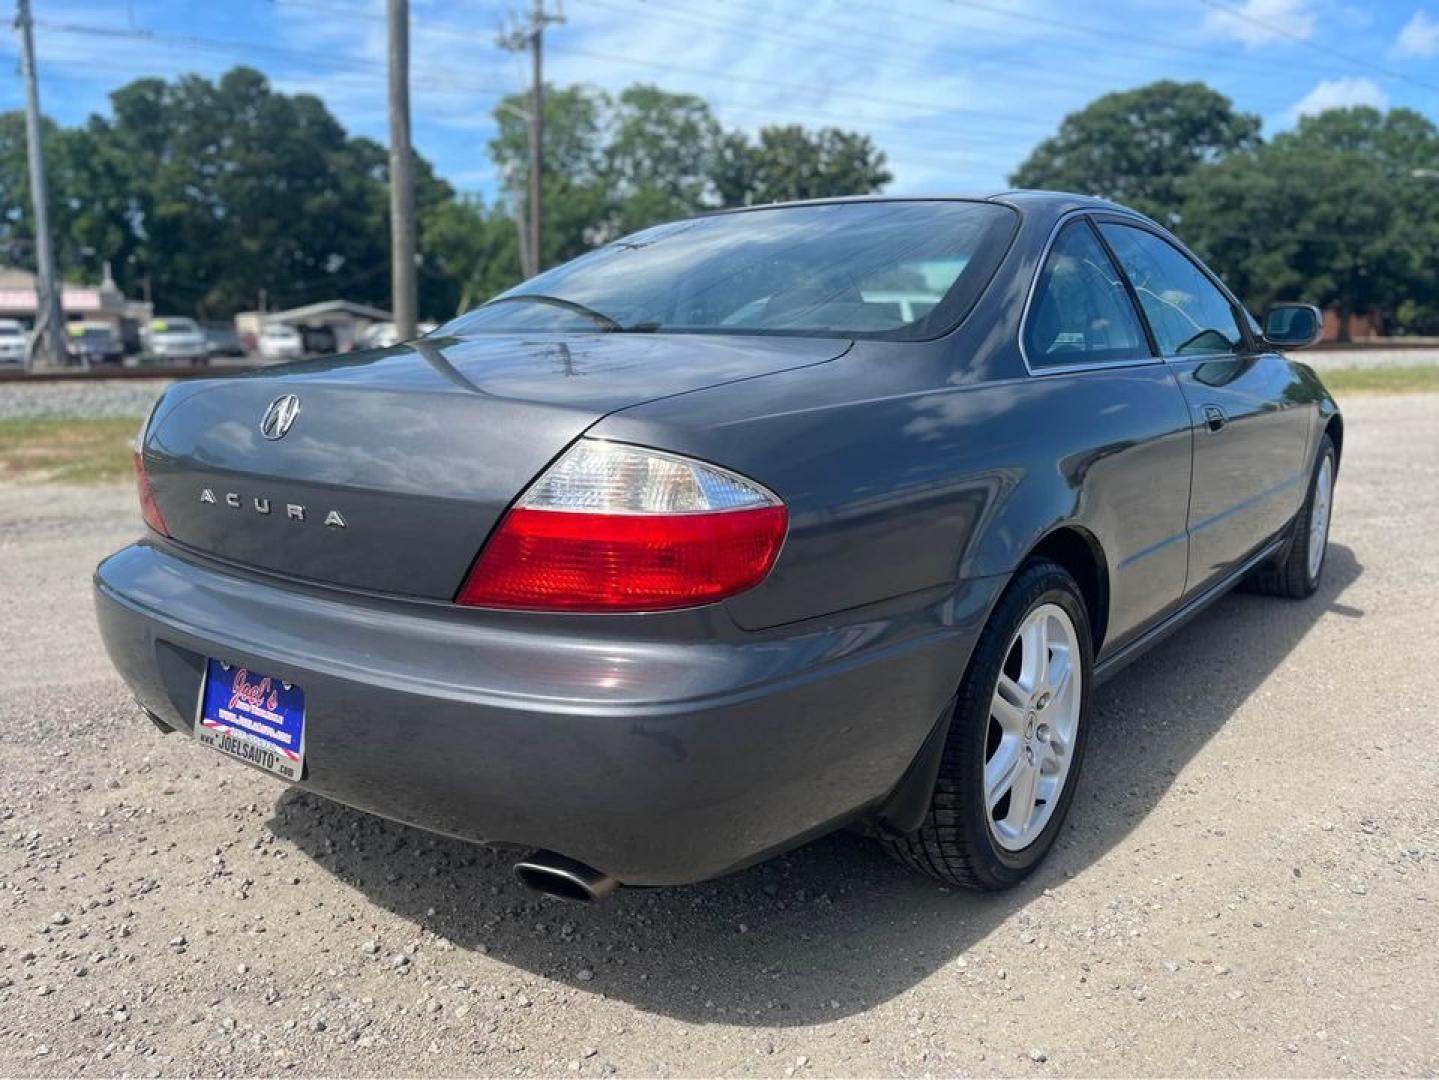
<point x="655" y="761"/>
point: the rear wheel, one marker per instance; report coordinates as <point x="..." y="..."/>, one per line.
<point x="1015" y="742"/>
<point x="1297" y="573"/>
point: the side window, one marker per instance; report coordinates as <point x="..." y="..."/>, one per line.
<point x="1081" y="313"/>
<point x="1189" y="316"/>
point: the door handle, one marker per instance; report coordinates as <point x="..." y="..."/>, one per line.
<point x="1215" y="418"/>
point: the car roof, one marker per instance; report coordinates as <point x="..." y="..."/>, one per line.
<point x="1028" y="200"/>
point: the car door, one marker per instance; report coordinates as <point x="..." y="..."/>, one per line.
<point x="1249" y="439"/>
<point x="1084" y="336"/>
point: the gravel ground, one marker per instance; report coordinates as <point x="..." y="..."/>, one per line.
<point x="1330" y="359"/>
<point x="133" y="397"/>
<point x="1249" y="881"/>
<point x="88" y="400"/>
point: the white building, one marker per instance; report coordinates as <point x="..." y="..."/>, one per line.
<point x="345" y="317"/>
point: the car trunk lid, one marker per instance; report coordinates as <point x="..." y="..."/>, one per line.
<point x="397" y="464"/>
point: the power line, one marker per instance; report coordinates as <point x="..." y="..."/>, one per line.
<point x="752" y="29"/>
<point x="1212" y="56"/>
<point x="453" y="80"/>
<point x="1010" y="120"/>
<point x="687" y="17"/>
<point x="343" y="62"/>
<point x="975" y="134"/>
<point x="1285" y="32"/>
<point x="972" y="138"/>
<point x="445" y="29"/>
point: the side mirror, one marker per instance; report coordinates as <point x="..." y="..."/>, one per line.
<point x="1292" y="326"/>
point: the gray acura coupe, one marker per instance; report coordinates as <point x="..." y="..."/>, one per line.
<point x="729" y="533"/>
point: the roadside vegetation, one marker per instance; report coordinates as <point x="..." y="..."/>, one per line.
<point x="1340" y="211"/>
<point x="66" y="451"/>
<point x="1418" y="378"/>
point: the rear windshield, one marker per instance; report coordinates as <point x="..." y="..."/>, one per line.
<point x="903" y="270"/>
<point x="174" y="326"/>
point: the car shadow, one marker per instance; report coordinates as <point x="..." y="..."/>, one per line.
<point x="834" y="927"/>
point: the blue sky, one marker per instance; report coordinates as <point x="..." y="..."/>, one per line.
<point x="955" y="91"/>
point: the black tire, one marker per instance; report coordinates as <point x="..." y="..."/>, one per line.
<point x="1289" y="574"/>
<point x="955" y="843"/>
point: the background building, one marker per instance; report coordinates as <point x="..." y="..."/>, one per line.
<point x="103" y="303"/>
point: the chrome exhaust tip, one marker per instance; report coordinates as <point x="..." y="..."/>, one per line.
<point x="564" y="878"/>
<point x="165" y="729"/>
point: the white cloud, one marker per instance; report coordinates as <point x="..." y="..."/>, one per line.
<point x="1420" y="36"/>
<point x="1250" y="22"/>
<point x="1342" y="93"/>
<point x="955" y="98"/>
<point x="948" y="117"/>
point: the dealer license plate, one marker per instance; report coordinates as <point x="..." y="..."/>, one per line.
<point x="255" y="718"/>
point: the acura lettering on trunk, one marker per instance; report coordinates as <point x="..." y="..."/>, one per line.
<point x="261" y="505"/>
<point x="729" y="534"/>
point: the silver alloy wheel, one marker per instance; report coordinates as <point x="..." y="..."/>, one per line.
<point x="1034" y="718"/>
<point x="1319" y="516"/>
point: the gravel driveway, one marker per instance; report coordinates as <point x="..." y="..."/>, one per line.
<point x="1248" y="883"/>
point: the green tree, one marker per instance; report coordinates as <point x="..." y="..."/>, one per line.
<point x="206" y="192"/>
<point x="615" y="165"/>
<point x="793" y="163"/>
<point x="1136" y="146"/>
<point x="662" y="157"/>
<point x="1330" y="212"/>
<point x="209" y="191"/>
<point x="84" y="215"/>
<point x="471" y="250"/>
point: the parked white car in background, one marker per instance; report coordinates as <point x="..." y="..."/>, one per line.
<point x="13" y="340"/>
<point x="385" y="334"/>
<point x="280" y="341"/>
<point x="178" y="339"/>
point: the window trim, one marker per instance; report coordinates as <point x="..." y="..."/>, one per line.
<point x="1246" y="345"/>
<point x="1087" y="216"/>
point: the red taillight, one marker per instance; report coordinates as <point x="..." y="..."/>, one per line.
<point x="611" y="527"/>
<point x="149" y="510"/>
<point x="560" y="561"/>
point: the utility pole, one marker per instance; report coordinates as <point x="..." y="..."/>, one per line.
<point x="48" y="343"/>
<point x="532" y="37"/>
<point x="402" y="182"/>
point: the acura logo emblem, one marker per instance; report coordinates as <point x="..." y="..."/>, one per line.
<point x="279" y="416"/>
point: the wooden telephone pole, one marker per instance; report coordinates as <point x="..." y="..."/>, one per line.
<point x="402" y="181"/>
<point x="47" y="346"/>
<point x="531" y="36"/>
